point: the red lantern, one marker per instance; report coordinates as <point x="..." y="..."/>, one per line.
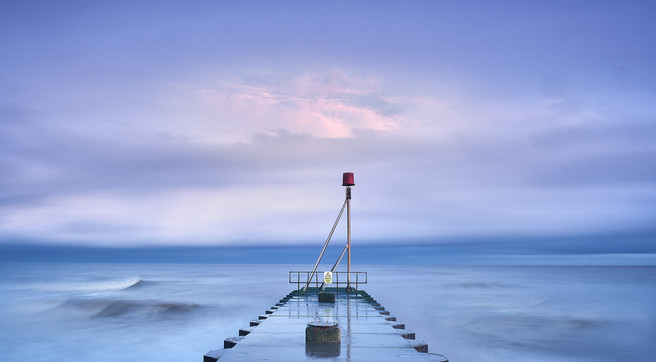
<point x="347" y="179"/>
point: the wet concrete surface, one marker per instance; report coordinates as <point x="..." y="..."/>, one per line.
<point x="366" y="335"/>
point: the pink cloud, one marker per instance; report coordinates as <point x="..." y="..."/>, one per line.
<point x="332" y="105"/>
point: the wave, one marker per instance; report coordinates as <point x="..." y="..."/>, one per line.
<point x="109" y="308"/>
<point x="98" y="286"/>
<point x="139" y="284"/>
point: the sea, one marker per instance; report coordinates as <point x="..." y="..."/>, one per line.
<point x="178" y="312"/>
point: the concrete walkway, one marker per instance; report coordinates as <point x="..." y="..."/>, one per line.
<point x="368" y="333"/>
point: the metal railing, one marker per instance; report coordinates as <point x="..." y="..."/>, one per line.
<point x="305" y="278"/>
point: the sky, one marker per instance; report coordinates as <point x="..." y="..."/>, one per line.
<point x="514" y="125"/>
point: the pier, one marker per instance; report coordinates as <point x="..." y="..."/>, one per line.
<point x="368" y="332"/>
<point x="326" y="317"/>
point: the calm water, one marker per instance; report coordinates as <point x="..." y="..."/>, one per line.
<point x="148" y="312"/>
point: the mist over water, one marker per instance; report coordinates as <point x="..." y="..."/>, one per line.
<point x="142" y="312"/>
<point x="527" y="313"/>
<point x="129" y="312"/>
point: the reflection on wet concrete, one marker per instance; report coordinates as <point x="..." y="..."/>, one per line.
<point x="323" y="350"/>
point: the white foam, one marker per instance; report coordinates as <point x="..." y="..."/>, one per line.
<point x="98" y="286"/>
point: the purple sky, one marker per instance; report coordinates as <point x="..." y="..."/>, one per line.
<point x="129" y="123"/>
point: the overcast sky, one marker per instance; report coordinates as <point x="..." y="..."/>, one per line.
<point x="133" y="123"/>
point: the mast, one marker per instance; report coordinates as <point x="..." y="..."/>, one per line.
<point x="348" y="181"/>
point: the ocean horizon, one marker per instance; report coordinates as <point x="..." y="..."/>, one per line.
<point x="408" y="253"/>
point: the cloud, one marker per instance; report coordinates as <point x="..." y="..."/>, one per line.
<point x="257" y="159"/>
<point x="332" y="105"/>
<point x="223" y="124"/>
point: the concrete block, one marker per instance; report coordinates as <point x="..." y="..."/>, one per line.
<point x="231" y="342"/>
<point x="245" y="331"/>
<point x="327" y="297"/>
<point x="322" y="332"/>
<point x="406" y="333"/>
<point x="213" y="356"/>
<point x="420" y="346"/>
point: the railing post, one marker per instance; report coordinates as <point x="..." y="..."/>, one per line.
<point x="336" y="280"/>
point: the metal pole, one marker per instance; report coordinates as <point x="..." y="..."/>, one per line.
<point x="338" y="260"/>
<point x="323" y="285"/>
<point x="325" y="246"/>
<point x="348" y="237"/>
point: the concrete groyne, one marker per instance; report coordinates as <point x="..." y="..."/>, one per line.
<point x="368" y="332"/>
